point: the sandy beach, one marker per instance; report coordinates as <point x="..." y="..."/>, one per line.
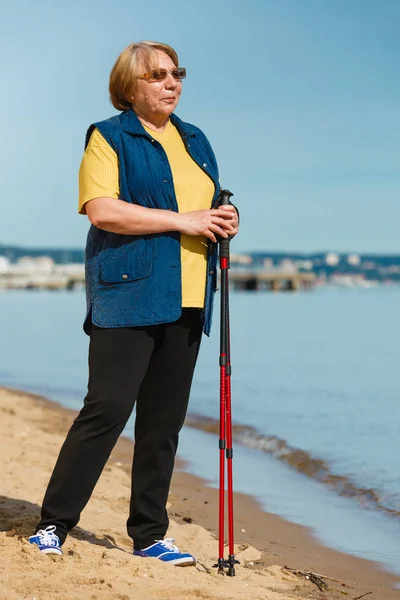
<point x="98" y="561"/>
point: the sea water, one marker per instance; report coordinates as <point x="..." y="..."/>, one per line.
<point x="315" y="400"/>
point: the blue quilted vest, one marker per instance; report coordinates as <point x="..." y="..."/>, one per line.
<point x="135" y="280"/>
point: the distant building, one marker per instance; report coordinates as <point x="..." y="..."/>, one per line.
<point x="369" y="265"/>
<point x="29" y="264"/>
<point x="332" y="259"/>
<point x="353" y="260"/>
<point x="306" y="265"/>
<point x="287" y="266"/>
<point x="4" y="264"/>
<point x="241" y="259"/>
<point x="268" y="264"/>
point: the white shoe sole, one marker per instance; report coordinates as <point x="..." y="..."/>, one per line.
<point x="51" y="551"/>
<point x="181" y="562"/>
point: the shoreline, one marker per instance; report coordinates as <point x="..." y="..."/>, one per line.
<point x="192" y="501"/>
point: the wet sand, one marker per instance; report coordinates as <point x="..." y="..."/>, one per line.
<point x="97" y="561"/>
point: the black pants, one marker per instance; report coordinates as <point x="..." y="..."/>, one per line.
<point x="153" y="366"/>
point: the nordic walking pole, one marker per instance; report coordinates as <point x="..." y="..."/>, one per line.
<point x="225" y="441"/>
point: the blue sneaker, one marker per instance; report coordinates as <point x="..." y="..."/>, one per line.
<point x="167" y="552"/>
<point x="47" y="541"/>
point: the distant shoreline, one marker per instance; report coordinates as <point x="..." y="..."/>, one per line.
<point x="339" y="268"/>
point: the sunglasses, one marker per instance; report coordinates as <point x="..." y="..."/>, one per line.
<point x="178" y="74"/>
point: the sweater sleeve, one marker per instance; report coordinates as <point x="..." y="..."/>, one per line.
<point x="98" y="173"/>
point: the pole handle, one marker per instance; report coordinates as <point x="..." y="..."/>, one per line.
<point x="224" y="243"/>
<point x="224" y="197"/>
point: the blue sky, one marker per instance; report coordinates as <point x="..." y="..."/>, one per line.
<point x="299" y="98"/>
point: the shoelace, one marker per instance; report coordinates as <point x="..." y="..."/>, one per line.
<point x="47" y="536"/>
<point x="168" y="544"/>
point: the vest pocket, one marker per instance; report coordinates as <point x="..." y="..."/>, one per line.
<point x="125" y="270"/>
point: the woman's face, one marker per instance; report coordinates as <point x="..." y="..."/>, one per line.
<point x="157" y="99"/>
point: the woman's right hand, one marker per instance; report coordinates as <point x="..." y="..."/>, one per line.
<point x="207" y="222"/>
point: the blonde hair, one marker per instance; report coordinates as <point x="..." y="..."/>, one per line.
<point x="123" y="76"/>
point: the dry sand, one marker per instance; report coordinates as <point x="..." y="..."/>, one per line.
<point x="98" y="561"/>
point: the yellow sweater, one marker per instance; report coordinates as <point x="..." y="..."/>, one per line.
<point x="194" y="190"/>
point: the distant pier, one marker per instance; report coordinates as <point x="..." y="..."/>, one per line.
<point x="46" y="276"/>
<point x="275" y="281"/>
<point x="41" y="274"/>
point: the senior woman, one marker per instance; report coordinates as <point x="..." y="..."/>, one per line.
<point x="149" y="186"/>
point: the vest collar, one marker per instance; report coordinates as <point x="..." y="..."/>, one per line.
<point x="131" y="124"/>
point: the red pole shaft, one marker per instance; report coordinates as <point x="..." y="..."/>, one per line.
<point x="222" y="459"/>
<point x="229" y="443"/>
<point x="229" y="463"/>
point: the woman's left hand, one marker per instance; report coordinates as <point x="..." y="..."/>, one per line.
<point x="235" y="219"/>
